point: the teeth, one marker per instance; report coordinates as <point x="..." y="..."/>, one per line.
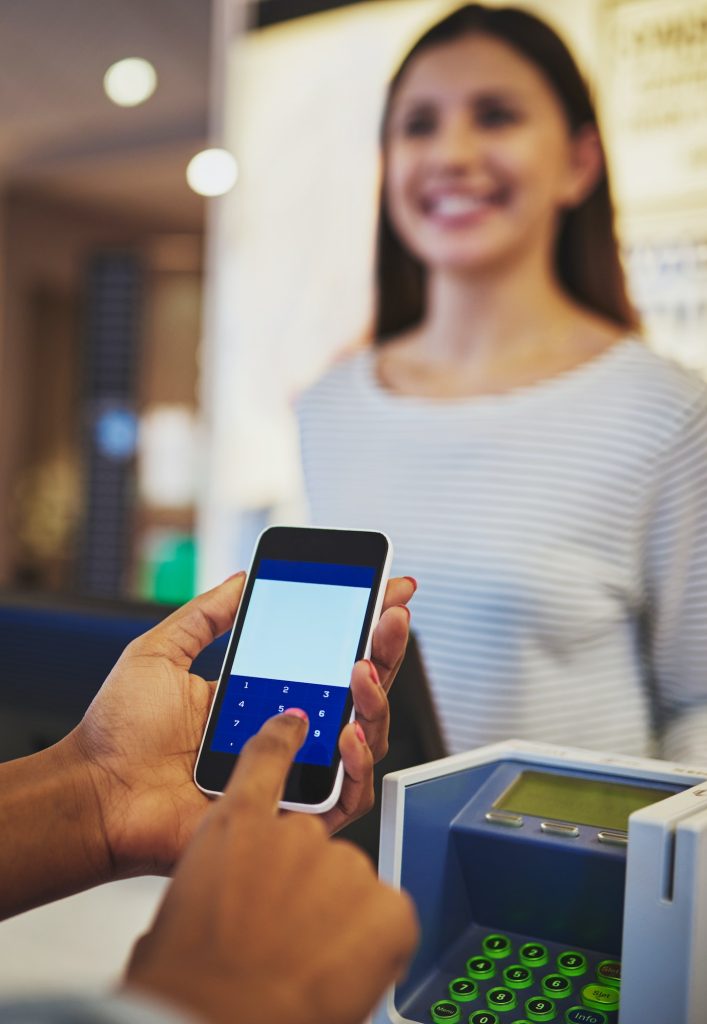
<point x="456" y="206"/>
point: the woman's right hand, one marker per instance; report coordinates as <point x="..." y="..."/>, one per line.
<point x="269" y="919"/>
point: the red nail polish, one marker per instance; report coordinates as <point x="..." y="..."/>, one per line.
<point x="405" y="609"/>
<point x="360" y="733"/>
<point x="373" y="672"/>
<point x="411" y="579"/>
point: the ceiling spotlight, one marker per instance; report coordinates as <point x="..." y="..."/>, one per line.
<point x="130" y="82"/>
<point x="212" y="172"/>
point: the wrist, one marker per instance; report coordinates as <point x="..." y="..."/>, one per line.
<point x="50" y="814"/>
<point x="82" y="805"/>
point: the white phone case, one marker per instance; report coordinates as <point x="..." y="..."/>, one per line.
<point x="325" y="805"/>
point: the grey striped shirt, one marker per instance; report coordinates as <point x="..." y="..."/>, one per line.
<point x="559" y="537"/>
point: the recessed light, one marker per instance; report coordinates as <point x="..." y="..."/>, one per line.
<point x="212" y="172"/>
<point x="130" y="82"/>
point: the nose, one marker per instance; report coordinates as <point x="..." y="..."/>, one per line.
<point x="457" y="144"/>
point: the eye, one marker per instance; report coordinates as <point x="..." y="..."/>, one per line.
<point x="419" y="122"/>
<point x="496" y="115"/>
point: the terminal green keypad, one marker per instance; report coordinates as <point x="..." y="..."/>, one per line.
<point x="533" y="954"/>
<point x="517" y="976"/>
<point x="573" y="964"/>
<point x="484" y="1017"/>
<point x="511" y="980"/>
<point x="501" y="999"/>
<point x="539" y="1008"/>
<point x="497" y="946"/>
<point x="556" y="986"/>
<point x="444" y="1011"/>
<point x="609" y="973"/>
<point x="600" y="997"/>
<point x="480" y="967"/>
<point x="581" y="1015"/>
<point x="463" y="990"/>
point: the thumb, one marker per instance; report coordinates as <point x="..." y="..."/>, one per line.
<point x="186" y="632"/>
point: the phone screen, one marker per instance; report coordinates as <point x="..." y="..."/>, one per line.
<point x="298" y="643"/>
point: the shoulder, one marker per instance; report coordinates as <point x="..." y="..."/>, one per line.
<point x="340" y="382"/>
<point x="655" y="389"/>
<point x="649" y="369"/>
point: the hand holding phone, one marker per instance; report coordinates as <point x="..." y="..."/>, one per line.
<point x="139" y="738"/>
<point x="308" y="612"/>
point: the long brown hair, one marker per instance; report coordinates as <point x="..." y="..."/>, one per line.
<point x="586" y="252"/>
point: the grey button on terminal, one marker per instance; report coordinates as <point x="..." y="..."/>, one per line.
<point x="556" y="828"/>
<point x="504" y="818"/>
<point x="613" y="838"/>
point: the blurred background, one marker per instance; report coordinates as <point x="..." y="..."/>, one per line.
<point x="153" y="339"/>
<point x="100" y="284"/>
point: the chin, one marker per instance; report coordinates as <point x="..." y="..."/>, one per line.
<point x="466" y="263"/>
<point x="472" y="254"/>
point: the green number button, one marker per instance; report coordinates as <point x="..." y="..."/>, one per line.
<point x="464" y="990"/>
<point x="581" y="1015"/>
<point x="571" y="963"/>
<point x="501" y="999"/>
<point x="533" y="954"/>
<point x="540" y="1009"/>
<point x="497" y="946"/>
<point x="609" y="973"/>
<point x="599" y="997"/>
<point x="484" y="1017"/>
<point x="445" y="1012"/>
<point x="516" y="976"/>
<point x="556" y="985"/>
<point x="480" y="967"/>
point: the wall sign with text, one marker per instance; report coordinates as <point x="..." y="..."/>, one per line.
<point x="653" y="76"/>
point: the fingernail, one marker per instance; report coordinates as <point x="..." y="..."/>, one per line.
<point x="411" y="579"/>
<point x="235" y="575"/>
<point x="360" y="734"/>
<point x="405" y="609"/>
<point x="297" y="712"/>
<point x="373" y="672"/>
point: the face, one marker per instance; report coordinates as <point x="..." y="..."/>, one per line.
<point x="479" y="157"/>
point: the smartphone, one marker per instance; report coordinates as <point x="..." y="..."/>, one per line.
<point x="310" y="604"/>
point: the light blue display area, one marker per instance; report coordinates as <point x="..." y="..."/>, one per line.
<point x="303" y="632"/>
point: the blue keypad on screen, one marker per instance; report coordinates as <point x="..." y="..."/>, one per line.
<point x="249" y="701"/>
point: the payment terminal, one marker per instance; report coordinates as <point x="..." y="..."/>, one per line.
<point x="551" y="884"/>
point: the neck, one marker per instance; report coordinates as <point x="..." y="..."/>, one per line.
<point x="479" y="319"/>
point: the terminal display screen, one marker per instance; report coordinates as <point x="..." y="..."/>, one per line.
<point x="580" y="801"/>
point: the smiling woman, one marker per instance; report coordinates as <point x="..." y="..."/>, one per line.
<point x="502" y="88"/>
<point x="541" y="472"/>
<point x="480" y="160"/>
